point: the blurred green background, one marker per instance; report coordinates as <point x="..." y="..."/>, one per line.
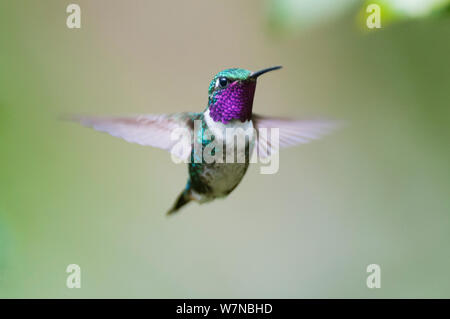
<point x="375" y="192"/>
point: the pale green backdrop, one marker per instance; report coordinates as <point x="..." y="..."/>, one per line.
<point x="375" y="192"/>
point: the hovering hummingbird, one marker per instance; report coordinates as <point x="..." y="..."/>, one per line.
<point x="230" y="106"/>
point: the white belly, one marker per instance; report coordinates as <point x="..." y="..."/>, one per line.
<point x="224" y="177"/>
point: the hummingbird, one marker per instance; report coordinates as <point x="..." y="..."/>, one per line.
<point x="229" y="107"/>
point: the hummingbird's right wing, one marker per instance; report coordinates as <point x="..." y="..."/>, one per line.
<point x="163" y="131"/>
<point x="291" y="132"/>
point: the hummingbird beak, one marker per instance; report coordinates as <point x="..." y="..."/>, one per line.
<point x="255" y="74"/>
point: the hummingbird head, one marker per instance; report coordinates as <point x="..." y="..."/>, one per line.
<point x="231" y="92"/>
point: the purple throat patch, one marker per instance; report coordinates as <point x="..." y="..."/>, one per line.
<point x="234" y="102"/>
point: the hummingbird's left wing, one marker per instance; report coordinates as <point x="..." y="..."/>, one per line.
<point x="291" y="132"/>
<point x="148" y="130"/>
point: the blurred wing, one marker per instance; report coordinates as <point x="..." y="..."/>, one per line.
<point x="147" y="130"/>
<point x="291" y="132"/>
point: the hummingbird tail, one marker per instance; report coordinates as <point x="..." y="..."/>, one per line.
<point x="182" y="200"/>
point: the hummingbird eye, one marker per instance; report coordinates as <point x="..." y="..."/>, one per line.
<point x="222" y="82"/>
